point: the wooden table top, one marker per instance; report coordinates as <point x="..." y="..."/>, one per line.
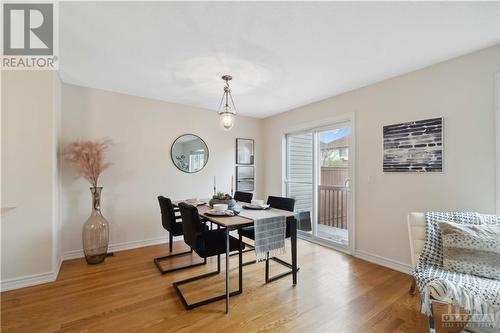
<point x="233" y="221"/>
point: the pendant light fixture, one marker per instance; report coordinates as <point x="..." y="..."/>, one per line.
<point x="226" y="112"/>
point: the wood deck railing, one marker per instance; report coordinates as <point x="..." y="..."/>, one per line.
<point x="335" y="176"/>
<point x="333" y="206"/>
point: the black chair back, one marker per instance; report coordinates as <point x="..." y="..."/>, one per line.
<point x="167" y="213"/>
<point x="243" y="196"/>
<point x="281" y="203"/>
<point x="191" y="224"/>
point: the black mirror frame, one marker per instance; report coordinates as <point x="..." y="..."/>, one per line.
<point x="172" y="147"/>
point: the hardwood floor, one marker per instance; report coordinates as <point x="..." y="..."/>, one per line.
<point x="335" y="293"/>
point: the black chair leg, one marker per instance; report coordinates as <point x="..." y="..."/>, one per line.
<point x="279" y="276"/>
<point x="250" y="248"/>
<point x="432" y="328"/>
<point x="170" y="243"/>
<point x="188" y="306"/>
<point x="165" y="271"/>
<point x="278" y="260"/>
<point x="172" y="255"/>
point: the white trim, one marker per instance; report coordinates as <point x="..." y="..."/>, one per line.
<point x="59" y="263"/>
<point x="28" y="280"/>
<point x="318" y="123"/>
<point x="329" y="245"/>
<point x="412" y="245"/>
<point x="382" y="261"/>
<point x="284" y="157"/>
<point x="31" y="280"/>
<point x="373" y="258"/>
<point x="352" y="182"/>
<point x="119" y="247"/>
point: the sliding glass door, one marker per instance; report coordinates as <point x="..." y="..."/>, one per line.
<point x="318" y="175"/>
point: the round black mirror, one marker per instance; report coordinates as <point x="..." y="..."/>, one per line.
<point x="189" y="153"/>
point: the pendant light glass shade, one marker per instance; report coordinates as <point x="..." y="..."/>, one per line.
<point x="227" y="120"/>
<point x="227" y="113"/>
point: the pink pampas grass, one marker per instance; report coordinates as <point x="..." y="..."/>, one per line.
<point x="87" y="157"/>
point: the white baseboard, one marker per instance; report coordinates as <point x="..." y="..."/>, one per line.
<point x="30" y="280"/>
<point x="379" y="260"/>
<point x="376" y="259"/>
<point x="119" y="247"/>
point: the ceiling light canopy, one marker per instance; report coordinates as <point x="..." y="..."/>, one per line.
<point x="227" y="112"/>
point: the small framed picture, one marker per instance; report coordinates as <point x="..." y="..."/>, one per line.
<point x="245" y="178"/>
<point x="244" y="151"/>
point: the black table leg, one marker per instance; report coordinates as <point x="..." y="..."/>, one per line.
<point x="227" y="270"/>
<point x="240" y="265"/>
<point x="293" y="238"/>
<point x="267" y="267"/>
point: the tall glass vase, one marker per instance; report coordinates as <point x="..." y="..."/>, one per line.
<point x="95" y="231"/>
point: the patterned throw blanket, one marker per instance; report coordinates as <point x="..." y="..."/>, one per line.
<point x="480" y="296"/>
<point x="269" y="232"/>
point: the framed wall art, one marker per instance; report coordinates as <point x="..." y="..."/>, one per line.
<point x="415" y="146"/>
<point x="244" y="151"/>
<point x="245" y="178"/>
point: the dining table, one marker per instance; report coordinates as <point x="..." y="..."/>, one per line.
<point x="242" y="219"/>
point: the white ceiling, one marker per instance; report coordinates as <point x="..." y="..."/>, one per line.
<point x="281" y="54"/>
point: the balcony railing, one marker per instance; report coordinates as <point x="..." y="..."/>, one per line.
<point x="332" y="206"/>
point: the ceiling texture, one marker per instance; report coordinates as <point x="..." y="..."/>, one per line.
<point x="281" y="54"/>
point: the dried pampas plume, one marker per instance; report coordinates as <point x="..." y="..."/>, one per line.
<point x="87" y="157"/>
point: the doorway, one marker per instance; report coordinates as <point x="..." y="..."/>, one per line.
<point x="319" y="172"/>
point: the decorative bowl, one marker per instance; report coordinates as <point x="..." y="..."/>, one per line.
<point x="229" y="202"/>
<point x="220" y="207"/>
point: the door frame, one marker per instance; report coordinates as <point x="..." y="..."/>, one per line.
<point x="316" y="126"/>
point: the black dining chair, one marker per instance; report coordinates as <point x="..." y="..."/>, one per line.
<point x="282" y="203"/>
<point x="206" y="243"/>
<point x="247" y="198"/>
<point x="171" y="222"/>
<point x="243" y="196"/>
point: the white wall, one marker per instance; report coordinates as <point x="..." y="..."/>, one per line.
<point x="460" y="90"/>
<point x="497" y="93"/>
<point x="143" y="131"/>
<point x="30" y="244"/>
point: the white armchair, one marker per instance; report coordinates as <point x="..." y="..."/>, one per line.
<point x="416" y="233"/>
